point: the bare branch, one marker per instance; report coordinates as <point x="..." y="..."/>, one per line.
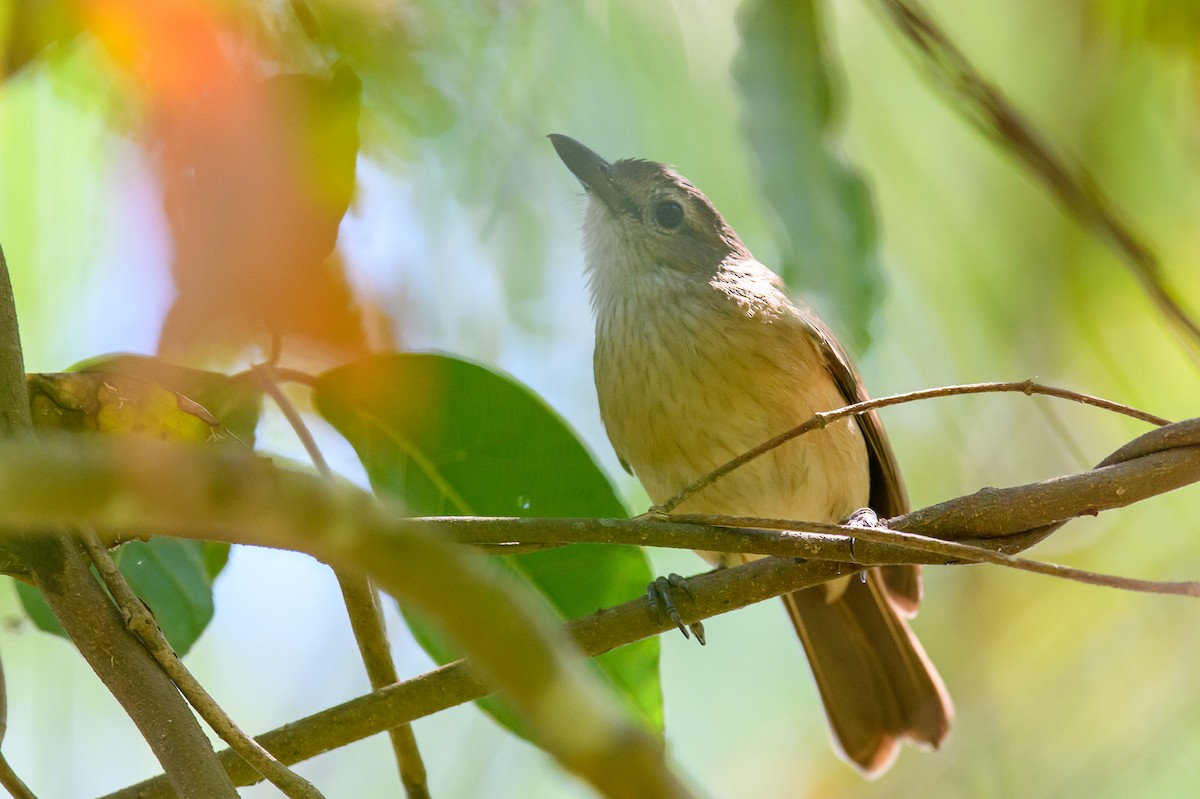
<point x="16" y="788"/>
<point x="361" y="601"/>
<point x="711" y="593"/>
<point x="239" y="499"/>
<point x="985" y="527"/>
<point x="141" y="623"/>
<point x="233" y="496"/>
<point x="8" y="778"/>
<point x="982" y="104"/>
<point x="58" y="567"/>
<point x="821" y="420"/>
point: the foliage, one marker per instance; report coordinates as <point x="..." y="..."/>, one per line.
<point x="306" y="182"/>
<point x="450" y="438"/>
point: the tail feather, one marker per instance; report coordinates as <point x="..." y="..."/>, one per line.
<point x="877" y="683"/>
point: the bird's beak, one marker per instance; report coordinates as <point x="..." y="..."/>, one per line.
<point x="593" y="172"/>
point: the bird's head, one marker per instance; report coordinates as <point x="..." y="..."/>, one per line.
<point x="644" y="220"/>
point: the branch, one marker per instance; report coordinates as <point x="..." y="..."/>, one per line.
<point x="361" y="601"/>
<point x="58" y="567"/>
<point x="244" y="500"/>
<point x="140" y="621"/>
<point x="822" y="420"/>
<point x="982" y="104"/>
<point x="235" y="497"/>
<point x="985" y="527"/>
<point x="12" y="783"/>
<point x="8" y="778"/>
<point x="711" y="594"/>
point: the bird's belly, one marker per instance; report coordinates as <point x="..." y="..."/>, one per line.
<point x="676" y="423"/>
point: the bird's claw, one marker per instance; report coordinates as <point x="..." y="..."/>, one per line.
<point x="863" y="517"/>
<point x="660" y="601"/>
<point x="866" y="519"/>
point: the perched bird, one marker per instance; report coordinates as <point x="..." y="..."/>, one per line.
<point x="700" y="355"/>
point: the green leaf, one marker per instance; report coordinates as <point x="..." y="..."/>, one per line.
<point x="235" y="402"/>
<point x="171" y="576"/>
<point x="785" y="74"/>
<point x="38" y="610"/>
<point x="137" y="395"/>
<point x="448" y="437"/>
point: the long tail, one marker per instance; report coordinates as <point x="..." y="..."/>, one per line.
<point x="878" y="685"/>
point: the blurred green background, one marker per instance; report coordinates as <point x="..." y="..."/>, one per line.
<point x="463" y="236"/>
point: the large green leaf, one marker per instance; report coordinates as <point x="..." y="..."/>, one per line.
<point x="448" y="437"/>
<point x="785" y="75"/>
<point x="137" y="395"/>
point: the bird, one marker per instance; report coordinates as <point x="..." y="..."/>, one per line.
<point x="700" y="355"/>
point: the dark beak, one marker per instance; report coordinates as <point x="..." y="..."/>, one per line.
<point x="593" y="172"/>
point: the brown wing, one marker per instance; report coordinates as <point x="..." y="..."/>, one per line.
<point x="888" y="497"/>
<point x="878" y="685"/>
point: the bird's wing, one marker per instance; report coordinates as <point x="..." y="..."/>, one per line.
<point x="888" y="497"/>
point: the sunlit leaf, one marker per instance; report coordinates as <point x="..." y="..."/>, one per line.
<point x="118" y="404"/>
<point x="235" y="402"/>
<point x="827" y="221"/>
<point x="449" y="437"/>
<point x="173" y="577"/>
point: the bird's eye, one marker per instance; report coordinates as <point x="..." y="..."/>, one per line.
<point x="668" y="214"/>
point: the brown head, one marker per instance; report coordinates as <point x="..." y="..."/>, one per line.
<point x="648" y="214"/>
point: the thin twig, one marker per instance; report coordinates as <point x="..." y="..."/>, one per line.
<point x="283" y="374"/>
<point x="978" y="100"/>
<point x="57" y="566"/>
<point x="141" y="623"/>
<point x="821" y="420"/>
<point x="952" y="550"/>
<point x="229" y="496"/>
<point x="362" y="606"/>
<point x="9" y="780"/>
<point x="3" y="705"/>
<point x="710" y="594"/>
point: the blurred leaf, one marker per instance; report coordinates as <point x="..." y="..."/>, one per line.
<point x="258" y="176"/>
<point x="382" y="49"/>
<point x="173" y="577"/>
<point x="235" y="402"/>
<point x="786" y="78"/>
<point x="28" y="27"/>
<point x="1171" y="24"/>
<point x="448" y="437"/>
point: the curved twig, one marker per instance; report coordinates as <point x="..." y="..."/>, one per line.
<point x="229" y="496"/>
<point x="361" y="601"/>
<point x="821" y="420"/>
<point x="140" y="621"/>
<point x="983" y="105"/>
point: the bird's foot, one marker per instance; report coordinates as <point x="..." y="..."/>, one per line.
<point x="660" y="601"/>
<point x="653" y="514"/>
<point x="863" y="517"/>
<point x="867" y="519"/>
